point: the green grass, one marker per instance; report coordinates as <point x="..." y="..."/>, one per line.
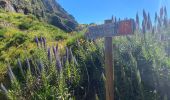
<point x="17" y="33"/>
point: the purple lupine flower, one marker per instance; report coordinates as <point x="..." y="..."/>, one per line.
<point x="137" y="18"/>
<point x="41" y="41"/>
<point x="44" y="42"/>
<point x="137" y="21"/>
<point x="64" y="60"/>
<point x="58" y="64"/>
<point x="143" y="26"/>
<point x="37" y="41"/>
<point x="149" y="23"/>
<point x="165" y="21"/>
<point x="159" y="22"/>
<point x="71" y="55"/>
<point x="145" y="16"/>
<point x="11" y="74"/>
<point x="55" y="52"/>
<point x="49" y="55"/>
<point x="58" y="61"/>
<point x="3" y="88"/>
<point x="72" y="58"/>
<point x="156" y="17"/>
<point x="75" y="61"/>
<point x="165" y="11"/>
<point x="56" y="55"/>
<point x="161" y="12"/>
<point x="40" y="65"/>
<point x="20" y="67"/>
<point x="28" y="64"/>
<point x="115" y="20"/>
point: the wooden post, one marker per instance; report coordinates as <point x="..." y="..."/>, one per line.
<point x="109" y="69"/>
<point x="108" y="30"/>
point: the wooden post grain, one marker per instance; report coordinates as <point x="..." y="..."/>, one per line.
<point x="109" y="69"/>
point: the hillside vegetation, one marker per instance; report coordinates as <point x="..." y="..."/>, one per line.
<point x="17" y="33"/>
<point x="73" y="68"/>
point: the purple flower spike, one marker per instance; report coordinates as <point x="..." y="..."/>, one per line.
<point x="49" y="55"/>
<point x="58" y="64"/>
<point x="11" y="74"/>
<point x="37" y="41"/>
<point x="156" y="17"/>
<point x="4" y="89"/>
<point x="67" y="54"/>
<point x="165" y="11"/>
<point x="159" y="22"/>
<point x="143" y="26"/>
<point x="20" y="67"/>
<point x="144" y="16"/>
<point x="56" y="55"/>
<point x="64" y="60"/>
<point x="55" y="52"/>
<point x="44" y="42"/>
<point x="40" y="65"/>
<point x="161" y="12"/>
<point x="58" y="61"/>
<point x="137" y="21"/>
<point x="71" y="55"/>
<point x="28" y="64"/>
<point x="75" y="61"/>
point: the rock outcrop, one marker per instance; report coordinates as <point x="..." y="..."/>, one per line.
<point x="46" y="10"/>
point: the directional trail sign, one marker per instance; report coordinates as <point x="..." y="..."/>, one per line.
<point x="124" y="27"/>
<point x="109" y="30"/>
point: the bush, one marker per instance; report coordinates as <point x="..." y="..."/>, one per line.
<point x="2" y="32"/>
<point x="25" y="26"/>
<point x="18" y="39"/>
<point x="60" y="37"/>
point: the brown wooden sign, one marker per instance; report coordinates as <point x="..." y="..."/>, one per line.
<point x="124" y="27"/>
<point x="108" y="30"/>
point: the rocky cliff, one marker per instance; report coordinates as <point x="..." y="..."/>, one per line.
<point x="46" y="10"/>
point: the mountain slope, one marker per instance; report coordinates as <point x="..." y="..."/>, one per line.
<point x="46" y="10"/>
<point x="17" y="33"/>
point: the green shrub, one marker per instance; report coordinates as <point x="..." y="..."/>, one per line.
<point x="16" y="40"/>
<point x="2" y="32"/>
<point x="25" y="26"/>
<point x="60" y="37"/>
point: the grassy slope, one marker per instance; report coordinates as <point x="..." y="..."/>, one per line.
<point x="143" y="58"/>
<point x="17" y="32"/>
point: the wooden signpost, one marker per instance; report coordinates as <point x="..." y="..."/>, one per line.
<point x="109" y="30"/>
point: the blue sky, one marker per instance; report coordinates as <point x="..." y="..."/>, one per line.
<point x="88" y="11"/>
